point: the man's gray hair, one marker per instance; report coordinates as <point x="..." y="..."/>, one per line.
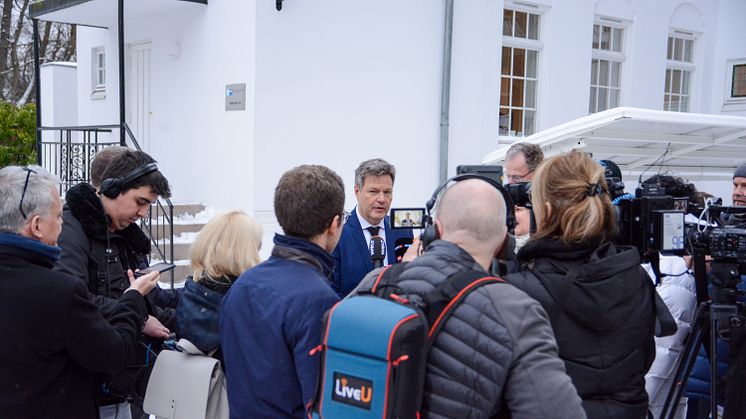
<point x="531" y="152"/>
<point x="36" y="200"/>
<point x="373" y="167"/>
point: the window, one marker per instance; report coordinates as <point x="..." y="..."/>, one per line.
<point x="519" y="73"/>
<point x="738" y="81"/>
<point x="98" y="70"/>
<point x="606" y="67"/>
<point x="679" y="68"/>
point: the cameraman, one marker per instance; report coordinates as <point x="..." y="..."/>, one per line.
<point x="599" y="300"/>
<point x="676" y="288"/>
<point x="521" y="161"/>
<point x="698" y="385"/>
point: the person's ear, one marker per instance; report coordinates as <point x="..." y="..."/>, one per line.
<point x="34" y="229"/>
<point x="336" y="224"/>
<point x="438" y="226"/>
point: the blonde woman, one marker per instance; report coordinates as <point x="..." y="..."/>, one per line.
<point x="226" y="247"/>
<point x="598" y="298"/>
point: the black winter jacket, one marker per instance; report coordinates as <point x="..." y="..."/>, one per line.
<point x="54" y="339"/>
<point x="495" y="356"/>
<point x="603" y="320"/>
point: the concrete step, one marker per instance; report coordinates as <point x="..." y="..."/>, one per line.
<point x="182" y="209"/>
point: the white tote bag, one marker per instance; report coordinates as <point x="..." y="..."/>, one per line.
<point x="186" y="385"/>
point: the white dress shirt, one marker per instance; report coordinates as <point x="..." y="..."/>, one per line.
<point x="381" y="233"/>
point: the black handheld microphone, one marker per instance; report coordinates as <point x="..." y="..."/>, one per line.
<point x="401" y="246"/>
<point x="377" y="251"/>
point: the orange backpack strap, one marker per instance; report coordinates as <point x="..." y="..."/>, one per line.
<point x="389" y="275"/>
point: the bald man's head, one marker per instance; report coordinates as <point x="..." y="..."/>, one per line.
<point x="473" y="209"/>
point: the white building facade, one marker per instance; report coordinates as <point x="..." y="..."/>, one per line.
<point x="335" y="82"/>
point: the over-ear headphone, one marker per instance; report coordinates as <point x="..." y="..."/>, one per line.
<point x="112" y="187"/>
<point x="430" y="233"/>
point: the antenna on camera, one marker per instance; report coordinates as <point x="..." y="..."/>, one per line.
<point x="668" y="147"/>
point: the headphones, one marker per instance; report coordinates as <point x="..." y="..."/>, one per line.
<point x="112" y="187"/>
<point x="430" y="233"/>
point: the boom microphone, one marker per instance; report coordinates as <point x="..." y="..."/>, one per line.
<point x="377" y="251"/>
<point x="401" y="246"/>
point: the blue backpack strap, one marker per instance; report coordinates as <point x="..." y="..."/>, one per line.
<point x="445" y="297"/>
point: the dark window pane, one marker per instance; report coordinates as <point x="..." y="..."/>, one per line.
<point x="517" y="91"/>
<point x="504" y="121"/>
<point x="520" y="24"/>
<point x="507" y="22"/>
<point x="739" y="81"/>
<point x="602" y="99"/>
<point x="529" y="123"/>
<point x="668" y="81"/>
<point x="605" y="38"/>
<point x="594" y="72"/>
<point x="613" y="98"/>
<point x="531" y="59"/>
<point x="596" y="35"/>
<point x="688" y="44"/>
<point x="530" y="94"/>
<point x="533" y="26"/>
<point x="603" y="73"/>
<point x="685" y="82"/>
<point x="676" y="81"/>
<point x="678" y="49"/>
<point x="505" y="91"/>
<point x="616" y="44"/>
<point x="666" y="102"/>
<point x="519" y="62"/>
<point x="684" y="105"/>
<point x="516" y="121"/>
<point x="616" y="73"/>
<point x="669" y="51"/>
<point x="592" y="102"/>
<point x="506" y="64"/>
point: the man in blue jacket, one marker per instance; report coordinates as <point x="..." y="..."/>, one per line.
<point x="271" y="318"/>
<point x="374" y="191"/>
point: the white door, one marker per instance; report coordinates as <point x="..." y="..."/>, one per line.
<point x="138" y="93"/>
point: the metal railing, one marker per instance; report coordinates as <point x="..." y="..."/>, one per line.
<point x="67" y="152"/>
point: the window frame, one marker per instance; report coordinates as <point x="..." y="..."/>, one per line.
<point x="98" y="72"/>
<point x="730" y="67"/>
<point x="610" y="56"/>
<point x="526" y="44"/>
<point x="684" y="66"/>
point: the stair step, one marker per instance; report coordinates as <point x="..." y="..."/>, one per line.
<point x="181" y="209"/>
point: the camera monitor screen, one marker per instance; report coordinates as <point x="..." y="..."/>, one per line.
<point x="492" y="172"/>
<point x="407" y="217"/>
<point x="672" y="231"/>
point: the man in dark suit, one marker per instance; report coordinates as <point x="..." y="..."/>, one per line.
<point x="374" y="190"/>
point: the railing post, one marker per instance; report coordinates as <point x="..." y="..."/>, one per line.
<point x="37" y="88"/>
<point x="122" y="138"/>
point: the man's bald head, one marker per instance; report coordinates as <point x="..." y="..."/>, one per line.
<point x="472" y="209"/>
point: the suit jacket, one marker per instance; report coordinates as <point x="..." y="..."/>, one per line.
<point x="352" y="257"/>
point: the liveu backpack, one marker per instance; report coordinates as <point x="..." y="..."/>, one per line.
<point x="375" y="346"/>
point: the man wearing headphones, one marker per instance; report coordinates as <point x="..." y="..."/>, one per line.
<point x="496" y="353"/>
<point x="101" y="240"/>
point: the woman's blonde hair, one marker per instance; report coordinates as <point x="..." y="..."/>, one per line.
<point x="227" y="245"/>
<point x="575" y="188"/>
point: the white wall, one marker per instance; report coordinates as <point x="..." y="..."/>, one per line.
<point x="58" y="82"/>
<point x="340" y="82"/>
<point x="336" y="82"/>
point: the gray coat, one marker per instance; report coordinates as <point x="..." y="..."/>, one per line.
<point x="496" y="353"/>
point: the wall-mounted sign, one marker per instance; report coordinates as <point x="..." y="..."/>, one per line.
<point x="235" y="97"/>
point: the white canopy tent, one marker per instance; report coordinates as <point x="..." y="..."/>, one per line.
<point x="697" y="147"/>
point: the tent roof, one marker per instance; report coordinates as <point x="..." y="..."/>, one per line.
<point x="695" y="145"/>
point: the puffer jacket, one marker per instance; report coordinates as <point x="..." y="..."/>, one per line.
<point x="495" y="355"/>
<point x="603" y="320"/>
<point x="677" y="291"/>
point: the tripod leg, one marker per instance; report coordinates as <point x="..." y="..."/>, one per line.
<point x="713" y="366"/>
<point x="686" y="362"/>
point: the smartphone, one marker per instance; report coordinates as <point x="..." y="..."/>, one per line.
<point x="159" y="267"/>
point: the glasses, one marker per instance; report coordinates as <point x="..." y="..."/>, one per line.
<point x="516" y="178"/>
<point x="25" y="186"/>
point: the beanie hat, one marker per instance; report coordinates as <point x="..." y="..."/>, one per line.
<point x="740" y="171"/>
<point x="611" y="168"/>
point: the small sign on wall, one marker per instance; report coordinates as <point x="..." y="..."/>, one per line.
<point x="235" y="97"/>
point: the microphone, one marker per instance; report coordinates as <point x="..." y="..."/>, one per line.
<point x="400" y="247"/>
<point x="377" y="251"/>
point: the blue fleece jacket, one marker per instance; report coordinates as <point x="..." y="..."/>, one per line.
<point x="269" y="321"/>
